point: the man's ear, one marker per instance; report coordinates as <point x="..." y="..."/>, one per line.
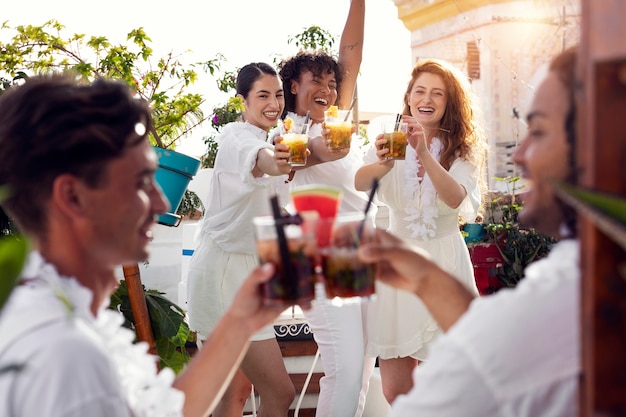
<point x="66" y="195"/>
<point x="294" y="87"/>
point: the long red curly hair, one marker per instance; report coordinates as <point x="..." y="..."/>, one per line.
<point x="462" y="134"/>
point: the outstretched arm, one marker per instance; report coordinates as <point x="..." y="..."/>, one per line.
<point x="272" y="162"/>
<point x="412" y="269"/>
<point x="351" y="52"/>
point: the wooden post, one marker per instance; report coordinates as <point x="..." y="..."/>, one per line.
<point x="602" y="152"/>
<point x="139" y="307"/>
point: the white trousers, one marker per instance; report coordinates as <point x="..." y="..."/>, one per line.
<point x="339" y="332"/>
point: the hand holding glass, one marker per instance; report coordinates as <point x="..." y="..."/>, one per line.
<point x="339" y="125"/>
<point x="297" y="138"/>
<point x="396" y="135"/>
<point x="293" y="283"/>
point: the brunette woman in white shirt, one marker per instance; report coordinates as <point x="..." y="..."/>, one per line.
<point x="248" y="171"/>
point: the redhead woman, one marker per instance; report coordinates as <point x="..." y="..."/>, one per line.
<point x="439" y="180"/>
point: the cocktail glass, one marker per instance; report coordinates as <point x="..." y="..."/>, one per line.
<point x="396" y="135"/>
<point x="295" y="135"/>
<point x="346" y="278"/>
<point x="339" y="125"/>
<point x="294" y="281"/>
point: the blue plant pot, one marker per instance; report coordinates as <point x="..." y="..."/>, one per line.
<point x="475" y="231"/>
<point x="173" y="175"/>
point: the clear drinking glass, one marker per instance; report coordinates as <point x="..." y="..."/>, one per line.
<point x="346" y="278"/>
<point x="396" y="135"/>
<point x="294" y="281"/>
<point x="339" y="124"/>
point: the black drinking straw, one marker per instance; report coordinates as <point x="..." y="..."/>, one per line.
<point x="280" y="236"/>
<point x="398" y="119"/>
<point x="367" y="208"/>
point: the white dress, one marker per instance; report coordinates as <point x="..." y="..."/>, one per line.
<point x="398" y="323"/>
<point x="226" y="252"/>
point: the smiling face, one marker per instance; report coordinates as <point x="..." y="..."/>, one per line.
<point x="427" y="99"/>
<point x="314" y="93"/>
<point x="543" y="156"/>
<point x="120" y="213"/>
<point x="265" y="102"/>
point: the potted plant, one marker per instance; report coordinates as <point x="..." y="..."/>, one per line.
<point x="517" y="244"/>
<point x="507" y="247"/>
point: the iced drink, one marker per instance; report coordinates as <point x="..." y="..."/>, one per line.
<point x="340" y="129"/>
<point x="345" y="276"/>
<point x="294" y="282"/>
<point x="297" y="143"/>
<point x="396" y="135"/>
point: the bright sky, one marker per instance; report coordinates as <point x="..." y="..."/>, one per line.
<point x="243" y="31"/>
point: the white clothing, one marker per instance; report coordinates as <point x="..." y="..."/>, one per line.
<point x="235" y="195"/>
<point x="399" y="325"/>
<point x="226" y="253"/>
<point x="513" y="354"/>
<point x="215" y="276"/>
<point x="70" y="363"/>
<point x="339" y="331"/>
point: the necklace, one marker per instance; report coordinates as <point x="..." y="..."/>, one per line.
<point x="148" y="393"/>
<point x="422" y="209"/>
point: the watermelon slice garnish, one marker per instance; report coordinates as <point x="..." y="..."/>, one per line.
<point x="325" y="200"/>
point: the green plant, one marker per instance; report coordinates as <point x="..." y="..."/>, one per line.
<point x="606" y="211"/>
<point x="164" y="82"/>
<point x="518" y="245"/>
<point x="227" y="113"/>
<point x="222" y="115"/>
<point x="171" y="332"/>
<point x="13" y="250"/>
<point x="208" y="159"/>
<point x="190" y="205"/>
<point x="313" y="37"/>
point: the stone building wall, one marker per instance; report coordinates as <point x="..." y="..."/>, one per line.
<point x="502" y="46"/>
